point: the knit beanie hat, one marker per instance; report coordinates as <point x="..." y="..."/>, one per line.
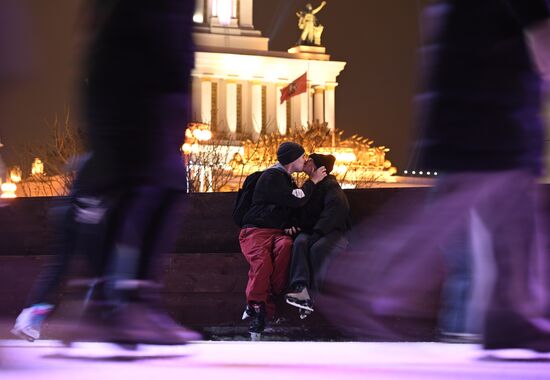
<point x="326" y="160"/>
<point x="288" y="152"/>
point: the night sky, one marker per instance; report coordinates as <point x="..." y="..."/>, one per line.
<point x="377" y="39"/>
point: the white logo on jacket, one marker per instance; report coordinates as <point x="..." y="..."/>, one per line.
<point x="298" y="193"/>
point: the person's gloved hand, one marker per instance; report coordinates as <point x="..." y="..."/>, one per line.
<point x="292" y="231"/>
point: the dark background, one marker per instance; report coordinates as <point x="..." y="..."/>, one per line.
<point x="377" y="39"/>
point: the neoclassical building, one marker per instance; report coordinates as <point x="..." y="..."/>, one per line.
<point x="237" y="79"/>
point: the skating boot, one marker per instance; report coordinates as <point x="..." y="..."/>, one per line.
<point x="129" y="325"/>
<point x="257" y="325"/>
<point x="29" y="322"/>
<point x="248" y="312"/>
<point x="300" y="298"/>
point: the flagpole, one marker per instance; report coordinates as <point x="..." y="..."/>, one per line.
<point x="308" y="94"/>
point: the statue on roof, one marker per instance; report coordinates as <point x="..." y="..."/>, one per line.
<point x="309" y="25"/>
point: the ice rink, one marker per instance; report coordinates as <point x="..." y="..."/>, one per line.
<point x="275" y="360"/>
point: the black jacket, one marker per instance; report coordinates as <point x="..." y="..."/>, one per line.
<point x="275" y="199"/>
<point x="327" y="209"/>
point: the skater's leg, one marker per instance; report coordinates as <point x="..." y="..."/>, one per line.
<point x="162" y="232"/>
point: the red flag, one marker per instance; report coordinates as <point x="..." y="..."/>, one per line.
<point x="298" y="86"/>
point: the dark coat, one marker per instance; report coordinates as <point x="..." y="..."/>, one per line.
<point x="327" y="210"/>
<point x="479" y="109"/>
<point x="273" y="202"/>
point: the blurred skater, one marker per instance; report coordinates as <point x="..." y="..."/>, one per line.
<point x="480" y="125"/>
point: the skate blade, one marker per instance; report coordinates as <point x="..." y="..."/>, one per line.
<point x="113" y="351"/>
<point x="304" y="313"/>
<point x="25" y="334"/>
<point x="292" y="302"/>
<point x="515" y="354"/>
<point x="255" y="337"/>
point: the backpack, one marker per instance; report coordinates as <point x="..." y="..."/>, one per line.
<point x="244" y="197"/>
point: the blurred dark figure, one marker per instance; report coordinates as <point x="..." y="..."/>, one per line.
<point x="323" y="223"/>
<point x="482" y="108"/>
<point x="127" y="194"/>
<point x="137" y="95"/>
<point x="480" y="125"/>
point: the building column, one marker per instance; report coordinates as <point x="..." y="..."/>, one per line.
<point x="330" y="106"/>
<point x="280" y="119"/>
<point x="303" y="108"/>
<point x="310" y="103"/>
<point x="199" y="16"/>
<point x="231" y="106"/>
<point x="256" y="107"/>
<point x="245" y="13"/>
<point x="196" y="87"/>
<point x="271" y="107"/>
<point x="318" y="104"/>
<point x="206" y="100"/>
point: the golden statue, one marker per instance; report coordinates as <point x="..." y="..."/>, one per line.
<point x="309" y="25"/>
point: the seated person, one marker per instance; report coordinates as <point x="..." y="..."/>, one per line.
<point x="264" y="242"/>
<point x="323" y="222"/>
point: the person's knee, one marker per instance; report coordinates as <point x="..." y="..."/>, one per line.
<point x="301" y="241"/>
<point x="285" y="244"/>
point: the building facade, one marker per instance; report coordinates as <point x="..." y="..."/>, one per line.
<point x="237" y="79"/>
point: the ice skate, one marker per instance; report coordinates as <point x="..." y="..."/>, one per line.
<point x="130" y="327"/>
<point x="300" y="298"/>
<point x="257" y="325"/>
<point x="304" y="313"/>
<point x="248" y="312"/>
<point x="29" y="322"/>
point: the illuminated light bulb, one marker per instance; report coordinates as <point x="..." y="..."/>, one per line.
<point x="198" y="18"/>
<point x="37" y="167"/>
<point x="8" y="190"/>
<point x="186" y="148"/>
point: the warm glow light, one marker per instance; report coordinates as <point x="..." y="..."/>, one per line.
<point x="37" y="167"/>
<point x="341" y="154"/>
<point x="8" y="190"/>
<point x="15" y="174"/>
<point x="345" y="156"/>
<point x="186" y="148"/>
<point x="202" y="134"/>
<point x="198" y="18"/>
<point x="340" y="169"/>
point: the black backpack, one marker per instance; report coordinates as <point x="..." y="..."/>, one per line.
<point x="244" y="197"/>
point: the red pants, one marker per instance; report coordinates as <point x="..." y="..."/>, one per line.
<point x="268" y="252"/>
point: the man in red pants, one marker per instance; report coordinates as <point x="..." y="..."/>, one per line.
<point x="265" y="237"/>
